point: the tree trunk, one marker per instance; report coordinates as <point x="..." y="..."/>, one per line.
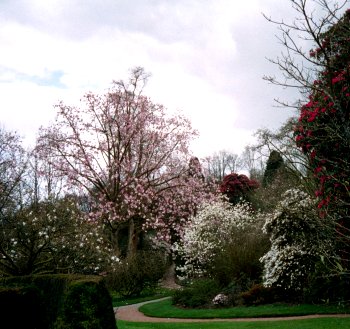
<point x="133" y="238"/>
<point x="115" y="242"/>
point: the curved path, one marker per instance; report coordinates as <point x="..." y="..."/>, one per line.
<point x="131" y="313"/>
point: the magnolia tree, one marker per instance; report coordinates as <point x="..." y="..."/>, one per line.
<point x="130" y="157"/>
<point x="299" y="239"/>
<point x="52" y="237"/>
<point x="220" y="231"/>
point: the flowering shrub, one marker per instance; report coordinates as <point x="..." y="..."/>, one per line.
<point x="323" y="129"/>
<point x="298" y="239"/>
<point x="216" y="230"/>
<point x="237" y="186"/>
<point x="323" y="132"/>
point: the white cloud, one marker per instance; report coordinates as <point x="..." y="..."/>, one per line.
<point x="206" y="58"/>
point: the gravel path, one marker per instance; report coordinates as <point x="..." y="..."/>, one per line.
<point x="131" y="313"/>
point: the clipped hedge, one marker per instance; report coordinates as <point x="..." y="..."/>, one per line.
<point x="56" y="302"/>
<point x="21" y="307"/>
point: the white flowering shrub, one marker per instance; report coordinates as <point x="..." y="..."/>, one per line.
<point x="52" y="237"/>
<point x="219" y="241"/>
<point x="220" y="300"/>
<point x="298" y="239"/>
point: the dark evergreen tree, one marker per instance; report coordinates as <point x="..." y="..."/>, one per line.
<point x="274" y="165"/>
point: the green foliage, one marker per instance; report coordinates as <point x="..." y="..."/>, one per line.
<point x="199" y="293"/>
<point x="137" y="272"/>
<point x="26" y="300"/>
<point x="259" y="294"/>
<point x="325" y="288"/>
<point x="58" y="301"/>
<point x="239" y="258"/>
<point x="146" y="295"/>
<point x="87" y="304"/>
<point x="51" y="289"/>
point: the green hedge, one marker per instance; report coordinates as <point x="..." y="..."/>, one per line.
<point x="56" y="302"/>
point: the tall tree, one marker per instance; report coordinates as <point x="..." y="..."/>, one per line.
<point x="13" y="164"/>
<point x="131" y="158"/>
<point x="252" y="161"/>
<point x="274" y="164"/>
<point x="220" y="164"/>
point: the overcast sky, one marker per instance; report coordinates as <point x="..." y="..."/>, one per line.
<point x="207" y="59"/>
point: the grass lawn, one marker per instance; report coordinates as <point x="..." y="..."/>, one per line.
<point x="165" y="309"/>
<point x="118" y="300"/>
<point x="325" y="323"/>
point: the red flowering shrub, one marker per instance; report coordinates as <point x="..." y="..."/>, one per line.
<point x="236" y="186"/>
<point x="323" y="131"/>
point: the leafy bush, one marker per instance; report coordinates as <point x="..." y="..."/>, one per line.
<point x="87" y="304"/>
<point x="198" y="294"/>
<point x="238" y="260"/>
<point x="57" y="301"/>
<point x="323" y="288"/>
<point x="259" y="294"/>
<point x="26" y="299"/>
<point x="136" y="273"/>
